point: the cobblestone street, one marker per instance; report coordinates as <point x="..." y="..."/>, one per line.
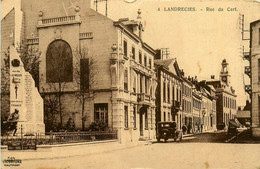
<point x="185" y="154"/>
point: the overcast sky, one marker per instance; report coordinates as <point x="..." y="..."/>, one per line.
<point x="199" y="40"/>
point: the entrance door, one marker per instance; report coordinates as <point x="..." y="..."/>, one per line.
<point x="141" y="123"/>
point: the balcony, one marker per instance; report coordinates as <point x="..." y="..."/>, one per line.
<point x="65" y="20"/>
<point x="33" y="41"/>
<point x="176" y="105"/>
<point x="248" y="89"/>
<point x="87" y="35"/>
<point x="246" y="55"/>
<point x="248" y="71"/>
<point x="141" y="68"/>
<point x="143" y="98"/>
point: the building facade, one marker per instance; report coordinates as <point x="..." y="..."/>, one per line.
<point x="168" y="95"/>
<point x="255" y="76"/>
<point x="122" y="94"/>
<point x="226" y="97"/>
<point x="196" y="107"/>
<point x="187" y="109"/>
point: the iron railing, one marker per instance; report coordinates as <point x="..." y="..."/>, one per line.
<point x="52" y="138"/>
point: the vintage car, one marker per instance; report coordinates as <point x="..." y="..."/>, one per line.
<point x="168" y="130"/>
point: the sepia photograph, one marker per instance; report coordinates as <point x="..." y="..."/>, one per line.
<point x="130" y="84"/>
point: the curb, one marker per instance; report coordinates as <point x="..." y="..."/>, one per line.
<point x="67" y="155"/>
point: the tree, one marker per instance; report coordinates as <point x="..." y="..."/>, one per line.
<point x="85" y="70"/>
<point x="30" y="56"/>
<point x="51" y="109"/>
<point x="58" y="72"/>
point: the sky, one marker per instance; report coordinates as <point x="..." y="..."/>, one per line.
<point x="199" y="39"/>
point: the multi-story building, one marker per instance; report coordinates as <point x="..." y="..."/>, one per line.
<point x="255" y="76"/>
<point x="196" y="106"/>
<point x="209" y="116"/>
<point x="187" y="103"/>
<point x="123" y="95"/>
<point x="226" y="97"/>
<point x="168" y="95"/>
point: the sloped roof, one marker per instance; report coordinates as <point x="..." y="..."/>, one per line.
<point x="166" y="62"/>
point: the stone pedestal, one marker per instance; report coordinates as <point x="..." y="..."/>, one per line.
<point x="25" y="99"/>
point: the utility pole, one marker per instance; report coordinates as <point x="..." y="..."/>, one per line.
<point x="97" y="1"/>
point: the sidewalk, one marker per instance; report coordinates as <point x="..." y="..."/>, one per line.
<point x="69" y="150"/>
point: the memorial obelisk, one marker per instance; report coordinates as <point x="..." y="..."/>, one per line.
<point x="25" y="100"/>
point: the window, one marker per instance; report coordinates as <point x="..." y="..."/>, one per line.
<point x="151" y="118"/>
<point x="126" y="117"/>
<point x="146" y="85"/>
<point x="173" y="97"/>
<point x="169" y="116"/>
<point x="134" y="86"/>
<point x="134" y="114"/>
<point x="168" y="92"/>
<point x="150" y="63"/>
<point x="141" y="84"/>
<point x="177" y="94"/>
<point x="164" y="116"/>
<point x="164" y="91"/>
<point x="259" y="36"/>
<point x="59" y="62"/>
<point x="126" y="80"/>
<point x="146" y="120"/>
<point x="140" y="57"/>
<point x="145" y="60"/>
<point x="125" y="48"/>
<point x="101" y="113"/>
<point x="133" y="52"/>
<point x="259" y="70"/>
<point x="180" y="95"/>
<point x="84" y="74"/>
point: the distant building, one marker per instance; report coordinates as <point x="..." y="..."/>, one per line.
<point x="243" y="116"/>
<point x="255" y="76"/>
<point x="226" y="97"/>
<point x="196" y="106"/>
<point x="168" y="93"/>
<point x="187" y="108"/>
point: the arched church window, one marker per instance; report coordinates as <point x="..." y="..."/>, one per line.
<point x="59" y="62"/>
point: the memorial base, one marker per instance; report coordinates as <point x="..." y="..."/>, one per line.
<point x="30" y="128"/>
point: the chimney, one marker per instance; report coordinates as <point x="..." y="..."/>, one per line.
<point x="212" y="76"/>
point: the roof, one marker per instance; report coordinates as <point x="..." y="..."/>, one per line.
<point x="243" y="114"/>
<point x="166" y="62"/>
